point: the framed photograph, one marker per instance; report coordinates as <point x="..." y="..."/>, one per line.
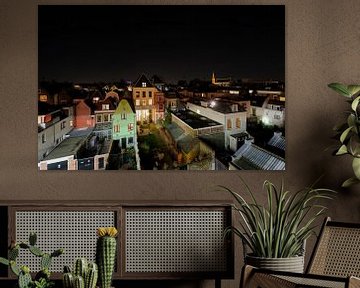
<point x="161" y="87"/>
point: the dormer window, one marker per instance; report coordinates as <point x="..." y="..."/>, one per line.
<point x="105" y="106"/>
<point x="143" y="84"/>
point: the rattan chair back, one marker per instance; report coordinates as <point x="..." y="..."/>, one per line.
<point x="337" y="252"/>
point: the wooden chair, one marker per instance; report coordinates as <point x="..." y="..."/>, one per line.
<point x="335" y="262"/>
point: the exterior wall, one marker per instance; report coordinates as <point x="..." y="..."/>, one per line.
<point x="229" y="120"/>
<point x="83" y="116"/>
<point x="160" y="106"/>
<point x="172" y="103"/>
<point x="54" y="135"/>
<point x="273" y="117"/>
<point x="143" y="101"/>
<point x="103" y="116"/>
<point x="124" y="124"/>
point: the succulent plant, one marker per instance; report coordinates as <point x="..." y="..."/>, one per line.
<point x="85" y="275"/>
<point x="42" y="278"/>
<point x="106" y="254"/>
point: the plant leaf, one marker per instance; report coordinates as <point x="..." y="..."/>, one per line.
<point x="355" y="103"/>
<point x="356" y="167"/>
<point x="345" y="134"/>
<point x="340" y="88"/>
<point x="349" y="182"/>
<point x="353" y="89"/>
<point x="342" y="150"/>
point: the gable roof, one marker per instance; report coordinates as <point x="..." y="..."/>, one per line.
<point x="125" y="103"/>
<point x="143" y="79"/>
<point x="252" y="157"/>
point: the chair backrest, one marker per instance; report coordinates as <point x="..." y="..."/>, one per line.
<point x="337" y="251"/>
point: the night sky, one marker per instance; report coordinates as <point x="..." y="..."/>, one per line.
<point x="109" y="43"/>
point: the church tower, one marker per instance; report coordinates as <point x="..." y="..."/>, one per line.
<point x="213" y="79"/>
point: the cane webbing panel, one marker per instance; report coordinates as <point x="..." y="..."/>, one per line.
<point x="74" y="231"/>
<point x="338" y="252"/>
<point x="175" y="241"/>
<point x="313" y="282"/>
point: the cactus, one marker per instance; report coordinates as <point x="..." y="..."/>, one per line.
<point x="24" y="280"/>
<point x="80" y="267"/>
<point x="45" y="261"/>
<point x="91" y="276"/>
<point x="42" y="278"/>
<point x="88" y="273"/>
<point x="79" y="282"/>
<point x="105" y="254"/>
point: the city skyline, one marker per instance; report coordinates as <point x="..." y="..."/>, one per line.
<point x="109" y="43"/>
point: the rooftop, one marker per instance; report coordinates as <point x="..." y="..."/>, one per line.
<point x="71" y="145"/>
<point x="252" y="157"/>
<point x="195" y="120"/>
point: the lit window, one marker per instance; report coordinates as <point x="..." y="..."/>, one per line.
<point x="143" y="84"/>
<point x="123" y="116"/>
<point x="144" y="102"/>
<point x="130" y="126"/>
<point x="105" y="106"/>
<point x="137" y="102"/>
<point x="150" y="101"/>
<point x="228" y="124"/>
<point x="238" y="123"/>
<point x="116" y="128"/>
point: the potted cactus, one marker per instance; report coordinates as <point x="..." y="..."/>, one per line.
<point x="106" y="254"/>
<point x="42" y="278"/>
<point x="85" y="275"/>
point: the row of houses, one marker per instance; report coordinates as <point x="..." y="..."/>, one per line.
<point x="86" y="134"/>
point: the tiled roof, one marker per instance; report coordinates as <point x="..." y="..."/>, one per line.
<point x="252" y="157"/>
<point x="277" y="141"/>
<point x="143" y="79"/>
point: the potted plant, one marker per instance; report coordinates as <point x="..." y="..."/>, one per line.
<point x="42" y="278"/>
<point x="276" y="233"/>
<point x="349" y="132"/>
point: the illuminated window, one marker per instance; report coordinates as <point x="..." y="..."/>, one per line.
<point x="228" y="124"/>
<point x="144" y="102"/>
<point x="143" y="84"/>
<point x="137" y="102"/>
<point x="150" y="101"/>
<point x="238" y="123"/>
<point x="123" y="116"/>
<point x="130" y="126"/>
<point x="116" y="128"/>
<point x="105" y="106"/>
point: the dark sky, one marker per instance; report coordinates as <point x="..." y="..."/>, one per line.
<point x="109" y="43"/>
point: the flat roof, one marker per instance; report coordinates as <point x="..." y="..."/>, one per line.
<point x="71" y="145"/>
<point x="194" y="120"/>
